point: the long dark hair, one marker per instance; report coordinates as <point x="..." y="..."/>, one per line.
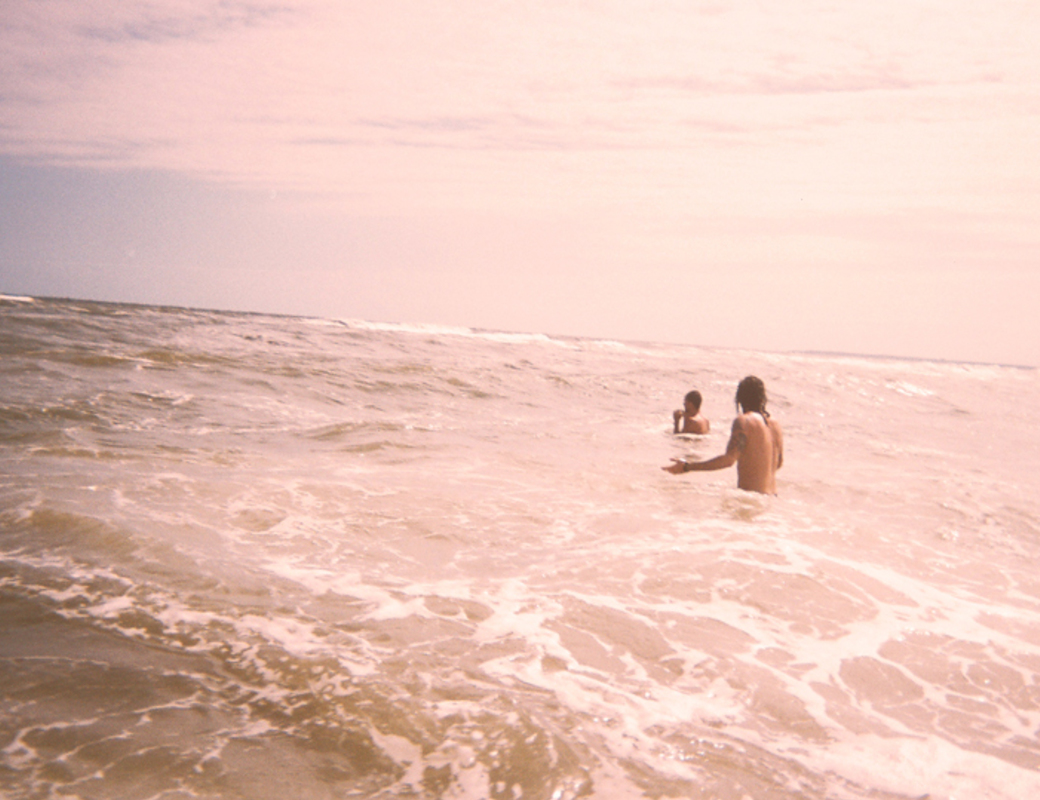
<point x="751" y="395"/>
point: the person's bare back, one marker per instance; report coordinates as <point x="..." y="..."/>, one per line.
<point x="756" y="443"/>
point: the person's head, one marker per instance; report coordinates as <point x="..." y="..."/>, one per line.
<point x="751" y="394"/>
<point x="692" y="401"/>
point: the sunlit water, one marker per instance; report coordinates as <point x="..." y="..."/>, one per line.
<point x="246" y="556"/>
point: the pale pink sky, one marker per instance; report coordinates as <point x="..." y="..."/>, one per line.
<point x="859" y="177"/>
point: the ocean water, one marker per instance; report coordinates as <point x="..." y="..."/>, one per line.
<point x="248" y="556"/>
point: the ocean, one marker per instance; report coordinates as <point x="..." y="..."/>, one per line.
<point x="254" y="556"/>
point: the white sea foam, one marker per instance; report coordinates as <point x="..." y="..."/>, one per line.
<point x="925" y="767"/>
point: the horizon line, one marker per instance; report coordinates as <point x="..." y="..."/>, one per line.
<point x="447" y="329"/>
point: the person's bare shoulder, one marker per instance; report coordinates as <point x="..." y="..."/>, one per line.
<point x="738" y="437"/>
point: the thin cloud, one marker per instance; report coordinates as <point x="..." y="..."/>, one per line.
<point x="506" y="132"/>
<point x="71" y="152"/>
<point x="65" y="43"/>
<point x="850" y="82"/>
<point x="150" y="24"/>
<point x="434" y="125"/>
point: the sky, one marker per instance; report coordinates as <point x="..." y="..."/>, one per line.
<point x="858" y="177"/>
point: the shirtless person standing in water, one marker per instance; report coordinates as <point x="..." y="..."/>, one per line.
<point x="756" y="443"/>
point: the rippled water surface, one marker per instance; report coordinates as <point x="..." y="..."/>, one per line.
<point x="246" y="556"/>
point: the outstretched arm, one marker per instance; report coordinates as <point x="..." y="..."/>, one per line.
<point x="719" y="462"/>
<point x="737" y="442"/>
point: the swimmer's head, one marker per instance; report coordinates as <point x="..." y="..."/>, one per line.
<point x="751" y="394"/>
<point x="693" y="401"/>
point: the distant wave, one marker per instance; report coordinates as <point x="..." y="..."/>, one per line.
<point x="504" y="337"/>
<point x="910" y="360"/>
<point x="406" y="327"/>
<point x="14" y="298"/>
<point x="452" y="330"/>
